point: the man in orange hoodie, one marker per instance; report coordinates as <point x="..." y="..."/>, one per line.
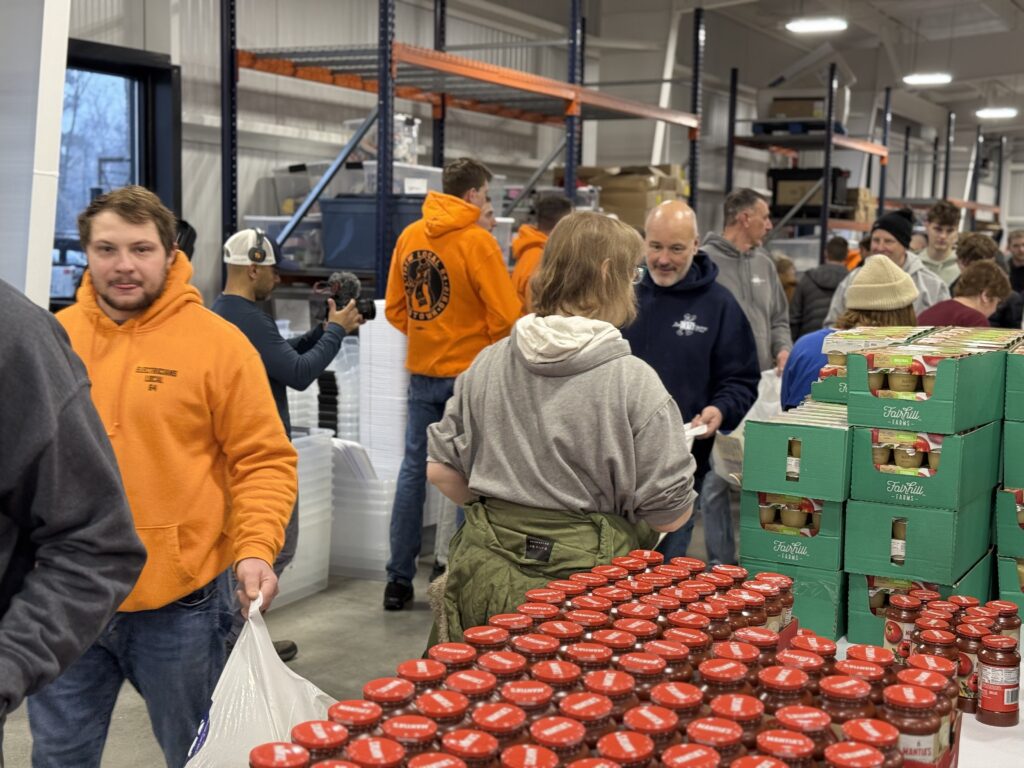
<point x="449" y="293"/>
<point x="528" y="246"/>
<point x="208" y="471"/>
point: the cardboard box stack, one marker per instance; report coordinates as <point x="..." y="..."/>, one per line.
<point x="864" y="204"/>
<point x="631" y="191"/>
<point x="831" y="386"/>
<point x="1010" y="499"/>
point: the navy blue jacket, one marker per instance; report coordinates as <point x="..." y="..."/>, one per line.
<point x="695" y="335"/>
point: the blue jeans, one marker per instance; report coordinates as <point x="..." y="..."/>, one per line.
<point x="427" y="398"/>
<point x="172" y="656"/>
<point x="718" y="534"/>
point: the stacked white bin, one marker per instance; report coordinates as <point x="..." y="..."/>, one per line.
<point x="346" y="371"/>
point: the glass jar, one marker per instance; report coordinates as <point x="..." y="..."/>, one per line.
<point x="619" y="687"/>
<point x="937" y="642"/>
<point x="765" y="640"/>
<point x="806" y="661"/>
<point x="985" y="622"/>
<point x="446" y="708"/>
<point x="721" y="676"/>
<point x="744" y="653"/>
<point x="723" y="736"/>
<point x="945" y="606"/>
<point x="845" y="698"/>
<point x="358" y="716"/>
<point x="589" y="580"/>
<point x="687" y="620"/>
<point x="812" y="722"/>
<point x="923" y="625"/>
<point x="591" y="710"/>
<point x="980" y="612"/>
<point x="565" y="632"/>
<point x="539" y="612"/>
<point x="677" y="659"/>
<point x="824" y="647"/>
<point x="656" y="580"/>
<point x="701" y="587"/>
<point x="532" y="696"/>
<point x="641" y="629"/>
<point x="794" y="749"/>
<point x="614" y="595"/>
<point x="968" y="642"/>
<point x="647" y="669"/>
<point x="424" y="674"/>
<point x="431" y="760"/>
<point x="506" y="666"/>
<point x="686" y="597"/>
<point x="633" y="565"/>
<point x="931" y="613"/>
<point x="373" y="752"/>
<point x="563" y="736"/>
<point x="872" y="674"/>
<point x="962" y="603"/>
<point x="610" y="572"/>
<point x="911" y="710"/>
<point x="734" y="606"/>
<point x="589" y="656"/>
<point x="883" y="657"/>
<point x="695" y="565"/>
<point x="925" y="595"/>
<point x="590" y="603"/>
<point x="547" y="596"/>
<point x="690" y="756"/>
<point x="568" y="587"/>
<point x="486" y="638"/>
<point x="675" y="572"/>
<point x="783" y="687"/>
<point x="852" y="754"/>
<point x="698" y="643"/>
<point x="737" y="573"/>
<point x="943" y="666"/>
<point x="416" y="734"/>
<point x="720" y="581"/>
<point x="773" y="601"/>
<point x="535" y="647"/>
<point x="393" y="694"/>
<point x="618" y="641"/>
<point x="323" y="739"/>
<point x="505" y="722"/>
<point x="754" y="606"/>
<point x="665" y="604"/>
<point x="683" y="699"/>
<point x="719" y="629"/>
<point x="638" y="611"/>
<point x="475" y="684"/>
<point x="878" y="734"/>
<point x="659" y="724"/>
<point x="278" y="754"/>
<point x="1008" y="622"/>
<point x="998" y="681"/>
<point x="513" y="623"/>
<point x="454" y="656"/>
<point x="785" y="585"/>
<point x="627" y="749"/>
<point x="936" y="683"/>
<point x="475" y="748"/>
<point x="636" y="589"/>
<point x="563" y="676"/>
<point x="900" y="616"/>
<point x="746" y="711"/>
<point x="528" y="756"/>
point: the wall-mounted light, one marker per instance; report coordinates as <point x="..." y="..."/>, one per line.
<point x="816" y="25"/>
<point x="996" y="113"/>
<point x="928" y="78"/>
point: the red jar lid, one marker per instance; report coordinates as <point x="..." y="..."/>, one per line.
<point x="513" y="622"/>
<point x="972" y="630"/>
<point x="905" y="601"/>
<point x="695" y="565"/>
<point x="631" y="564"/>
<point x="625" y="747"/>
<point x="766" y="588"/>
<point x="908" y="696"/>
<point x="588" y="619"/>
<point x="714" y="732"/>
<point x="757" y="761"/>
<point x="649" y="556"/>
<point x="883" y="657"/>
<point x="785" y="745"/>
<point x="452" y="653"/>
<point x="615" y="639"/>
<point x="798" y="717"/>
<point x="471" y="682"/>
<point x="852" y="754"/>
<point x="691" y="638"/>
<point x="663" y="603"/>
<point x="868" y="730"/>
<point x="410" y="728"/>
<point x="701" y="587"/>
<point x="320" y="734"/>
<point x="1004" y="607"/>
<point x="744" y="653"/>
<point x="656" y="580"/>
<point x="615" y="595"/>
<point x="441" y="705"/>
<point x="535" y="643"/>
<point x="938" y="637"/>
<point x="676" y="695"/>
<point x="651" y="719"/>
<point x="646" y="664"/>
<point x="775" y="578"/>
<point x="638" y="611"/>
<point x="593" y="762"/>
<point x="720" y="580"/>
<point x="562" y="630"/>
<point x="865" y="670"/>
<point x="499" y="718"/>
<point x="845" y="687"/>
<point x="591" y="603"/>
<point x="808" y="661"/>
<point x="682" y="594"/>
<point x="750" y="599"/>
<point x="538" y="611"/>
<point x="527" y="693"/>
<point x="470" y="744"/>
<point x="942" y="605"/>
<point x="371" y="752"/>
<point x="589" y="579"/>
<point x="999" y="642"/>
<point x="555" y="672"/>
<point x="634" y="587"/>
<point x="589" y="653"/>
<point x="929" y="623"/>
<point x="643" y="629"/>
<point x="611" y="572"/>
<point x="545" y="595"/>
<point x="688" y="619"/>
<point x="943" y="616"/>
<point x="336" y="764"/>
<point x="722" y="670"/>
<point x="711" y="610"/>
<point x="819" y="645"/>
<point x="609" y="682"/>
<point x="389" y="690"/>
<point x="557" y="732"/>
<point x="422" y="670"/>
<point x="502" y="663"/>
<point x="783" y="678"/>
<point x="675" y="572"/>
<point x="732" y="571"/>
<point x="528" y="756"/>
<point x="567" y="587"/>
<point x="932" y="663"/>
<point x="278" y="754"/>
<point x="925" y="595"/>
<point x="355" y="713"/>
<point x="757" y="636"/>
<point x="690" y="756"/>
<point x="433" y="760"/>
<point x="963" y="601"/>
<point x="923" y="678"/>
<point x="485" y="635"/>
<point x="586" y="707"/>
<point x="670" y="650"/>
<point x="982" y="612"/>
<point x="737" y="706"/>
<point x="986" y="622"/>
<point x="732" y="603"/>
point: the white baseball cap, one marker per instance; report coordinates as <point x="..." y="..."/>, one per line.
<point x="249" y="246"/>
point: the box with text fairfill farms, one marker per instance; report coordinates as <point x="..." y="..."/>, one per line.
<point x="927" y="543"/>
<point x="1015" y="384"/>
<point x="1010" y="581"/>
<point x="803" y="452"/>
<point x="923" y="469"/>
<point x="1010" y="522"/>
<point x="819" y="597"/>
<point x="831" y="385"/>
<point x="926" y="389"/>
<point x="792" y="529"/>
<point x="1013" y="454"/>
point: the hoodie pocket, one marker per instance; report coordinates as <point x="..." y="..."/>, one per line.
<point x="164" y="572"/>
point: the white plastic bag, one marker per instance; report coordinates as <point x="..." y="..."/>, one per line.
<point x="727" y="454"/>
<point x="257" y="699"/>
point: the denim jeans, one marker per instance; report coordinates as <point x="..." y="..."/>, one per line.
<point x="427" y="398"/>
<point x="718" y="534"/>
<point x="172" y="656"/>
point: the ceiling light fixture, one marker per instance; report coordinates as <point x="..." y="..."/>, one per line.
<point x="996" y="113"/>
<point x="928" y="78"/>
<point x="813" y="25"/>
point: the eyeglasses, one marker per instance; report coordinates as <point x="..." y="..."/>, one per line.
<point x="639" y="275"/>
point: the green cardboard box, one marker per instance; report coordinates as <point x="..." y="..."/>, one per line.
<point x="968" y="393"/>
<point x="863" y="626"/>
<point x="824" y="464"/>
<point x="969" y="467"/>
<point x="829" y="390"/>
<point x="941" y="544"/>
<point x="1008" y="581"/>
<point x="1009" y="533"/>
<point x="1015" y="385"/>
<point x="777" y="543"/>
<point x="1013" y="454"/>
<point x="819" y="597"/>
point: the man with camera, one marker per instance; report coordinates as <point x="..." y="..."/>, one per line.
<point x="296" y="363"/>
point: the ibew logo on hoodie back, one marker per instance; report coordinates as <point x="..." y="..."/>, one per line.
<point x="688" y="326"/>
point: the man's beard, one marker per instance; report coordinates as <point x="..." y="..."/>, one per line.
<point x="134" y="304"/>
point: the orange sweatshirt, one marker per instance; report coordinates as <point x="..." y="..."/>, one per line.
<point x="527" y="248"/>
<point x="448" y="289"/>
<point x="209" y="473"/>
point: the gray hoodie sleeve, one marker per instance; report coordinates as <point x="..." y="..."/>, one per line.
<point x="665" y="468"/>
<point x="838" y="305"/>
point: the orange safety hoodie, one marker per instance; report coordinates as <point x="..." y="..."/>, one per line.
<point x="448" y="290"/>
<point x="527" y="249"/>
<point x="209" y="473"/>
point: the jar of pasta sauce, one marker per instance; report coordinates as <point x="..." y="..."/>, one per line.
<point x="589" y="656"/>
<point x="812" y="722"/>
<point x="373" y="752"/>
<point x="475" y="748"/>
<point x="644" y="631"/>
<point x="429" y="760"/>
<point x="539" y="612"/>
<point x="454" y="656"/>
<point x="647" y="669"/>
<point x="590" y="619"/>
<point x="618" y="687"/>
<point x="962" y="603"/>
<point x="278" y="754"/>
<point x="416" y="734"/>
<point x="448" y="709"/>
<point x="937" y="642"/>
<point x="486" y="638"/>
<point x="360" y="717"/>
<point x="695" y="565"/>
<point x="393" y="694"/>
<point x="505" y="722"/>
<point x="628" y="749"/>
<point x="735" y="606"/>
<point x="618" y="641"/>
<point x="794" y="749"/>
<point x="810" y="663"/>
<point x="1008" y="621"/>
<point x="675" y="572"/>
<point x="936" y="683"/>
<point x="724" y="736"/>
<point x="783" y="687"/>
<point x="721" y="676"/>
<point x="532" y="696"/>
<point x="872" y="674"/>
<point x="845" y="698"/>
<point x="765" y="640"/>
<point x="746" y="711"/>
<point x="564" y="676"/>
<point x="677" y="659"/>
<point x="610" y="572"/>
<point x="998" y="681"/>
<point x="323" y="739"/>
<point x="878" y="734"/>
<point x="536" y="647"/>
<point x="563" y="736"/>
<point x="698" y="643"/>
<point x="968" y="642"/>
<point x="719" y="629"/>
<point x="659" y="724"/>
<point x="824" y="647"/>
<point x="883" y="657"/>
<point x="475" y="684"/>
<point x="591" y="710"/>
<point x="900" y="616"/>
<point x="506" y="666"/>
<point x="589" y="580"/>
<point x="852" y="754"/>
<point x="424" y="674"/>
<point x="785" y="585"/>
<point x="513" y="623"/>
<point x="528" y="756"/>
<point x="745" y="653"/>
<point x="912" y="711"/>
<point x="690" y="756"/>
<point x="684" y="700"/>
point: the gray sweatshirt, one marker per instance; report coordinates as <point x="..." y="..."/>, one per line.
<point x="68" y="550"/>
<point x="754" y="281"/>
<point x="560" y="415"/>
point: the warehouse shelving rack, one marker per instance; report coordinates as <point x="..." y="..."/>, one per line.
<point x="445" y="81"/>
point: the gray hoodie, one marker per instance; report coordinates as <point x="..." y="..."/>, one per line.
<point x="754" y="281"/>
<point x="560" y="415"/>
<point x="930" y="288"/>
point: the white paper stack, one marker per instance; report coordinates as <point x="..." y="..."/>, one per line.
<point x="383" y="385"/>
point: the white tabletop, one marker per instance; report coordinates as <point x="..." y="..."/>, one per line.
<point x="984" y="746"/>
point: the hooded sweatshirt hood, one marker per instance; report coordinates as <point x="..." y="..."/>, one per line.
<point x="526" y="239"/>
<point x="447" y="213"/>
<point x="564" y="346"/>
<point x="701" y="274"/>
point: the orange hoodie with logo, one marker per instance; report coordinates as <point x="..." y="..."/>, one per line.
<point x="527" y="249"/>
<point x="209" y="473"/>
<point x="448" y="290"/>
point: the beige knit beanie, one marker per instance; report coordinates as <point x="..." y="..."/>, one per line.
<point x="880" y="284"/>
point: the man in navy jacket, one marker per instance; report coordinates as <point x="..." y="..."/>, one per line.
<point x="692" y="331"/>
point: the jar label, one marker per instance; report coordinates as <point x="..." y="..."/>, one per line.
<point x="787" y="615"/>
<point x="998" y="688"/>
<point x="897" y="639"/>
<point x="792" y="466"/>
<point x="967" y="675"/>
<point x="774" y="623"/>
<point x="1014" y="633"/>
<point x="898" y="549"/>
<point x="944" y="733"/>
<point x="922" y="748"/>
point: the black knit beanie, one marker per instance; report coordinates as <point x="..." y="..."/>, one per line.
<point x="899" y="224"/>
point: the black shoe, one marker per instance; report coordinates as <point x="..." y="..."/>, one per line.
<point x="438" y="571"/>
<point x="396" y="596"/>
<point x="286" y="649"/>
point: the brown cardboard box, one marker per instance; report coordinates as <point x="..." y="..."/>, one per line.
<point x="800" y="109"/>
<point x="629" y="177"/>
<point x="633" y="207"/>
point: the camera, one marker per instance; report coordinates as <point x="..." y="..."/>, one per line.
<point x="343" y="287"/>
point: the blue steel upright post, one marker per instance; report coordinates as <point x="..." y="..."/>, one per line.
<point x="826" y="180"/>
<point x="696" y="100"/>
<point x="385" y="142"/>
<point x="730" y="141"/>
<point x="572" y="120"/>
<point x="228" y="122"/>
<point x="441" y="108"/>
<point x="950" y="140"/>
<point x="883" y="162"/>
